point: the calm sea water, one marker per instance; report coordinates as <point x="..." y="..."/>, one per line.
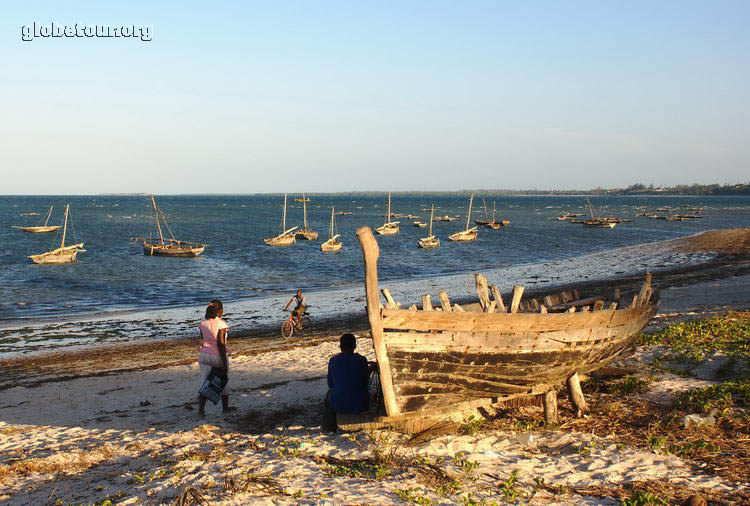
<point x="114" y="275"/>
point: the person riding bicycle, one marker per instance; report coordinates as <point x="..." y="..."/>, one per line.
<point x="300" y="307"/>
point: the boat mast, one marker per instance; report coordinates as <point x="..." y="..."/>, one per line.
<point x="283" y="216"/>
<point x="304" y="210"/>
<point x="49" y="213"/>
<point x="591" y="209"/>
<point x="65" y="226"/>
<point x="156" y="218"/>
<point x="388" y="212"/>
<point x="486" y="215"/>
<point x="468" y="214"/>
<point x="432" y="214"/>
<point x="330" y="228"/>
<point x="494" y="208"/>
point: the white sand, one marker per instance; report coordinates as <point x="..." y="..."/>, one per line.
<point x="131" y="436"/>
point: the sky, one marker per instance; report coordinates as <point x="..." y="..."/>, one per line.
<point x="329" y="96"/>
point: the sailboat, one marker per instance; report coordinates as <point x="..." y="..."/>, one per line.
<point x="486" y="219"/>
<point x="41" y="228"/>
<point x="598" y="222"/>
<point x="332" y="244"/>
<point x="306" y="233"/>
<point x="167" y="246"/>
<point x="63" y="254"/>
<point x="389" y="227"/>
<point x="430" y="241"/>
<point x="286" y="237"/>
<point x="467" y="234"/>
<point x="493" y="223"/>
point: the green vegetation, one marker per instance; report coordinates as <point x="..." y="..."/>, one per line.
<point x="413" y="495"/>
<point x="722" y="397"/>
<point x="644" y="499"/>
<point x="695" y="340"/>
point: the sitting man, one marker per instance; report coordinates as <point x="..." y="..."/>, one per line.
<point x="348" y="377"/>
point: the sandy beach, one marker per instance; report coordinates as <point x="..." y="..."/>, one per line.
<point x="119" y="422"/>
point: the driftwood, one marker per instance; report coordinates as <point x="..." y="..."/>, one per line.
<point x="576" y="394"/>
<point x="426" y="303"/>
<point x="445" y="301"/>
<point x="390" y="303"/>
<point x="550" y="407"/>
<point x="499" y="305"/>
<point x="482" y="290"/>
<point x="517" y="294"/>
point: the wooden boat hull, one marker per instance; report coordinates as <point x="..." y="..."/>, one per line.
<point x="38" y="230"/>
<point x="388" y="229"/>
<point x="281" y="240"/>
<point x="172" y="250"/>
<point x="420" y="224"/>
<point x="429" y="242"/>
<point x="330" y="246"/>
<point x="52" y="258"/>
<point x="599" y="224"/>
<point x="307" y="235"/>
<point x="436" y="359"/>
<point x="464" y="235"/>
<point x="494" y="225"/>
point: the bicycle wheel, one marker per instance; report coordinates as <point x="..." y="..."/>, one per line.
<point x="287" y="329"/>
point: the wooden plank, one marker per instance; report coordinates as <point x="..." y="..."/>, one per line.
<point x="389" y="302"/>
<point x="550" y="407"/>
<point x="482" y="290"/>
<point x="426" y="303"/>
<point x="517" y="294"/>
<point x="499" y="305"/>
<point x="634" y="302"/>
<point x="445" y="302"/>
<point x="491" y="307"/>
<point x="576" y="394"/>
<point x="402" y="319"/>
<point x="645" y="292"/>
<point x="613" y="306"/>
<point x="370" y="252"/>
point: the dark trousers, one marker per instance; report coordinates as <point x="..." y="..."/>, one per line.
<point x="328" y="415"/>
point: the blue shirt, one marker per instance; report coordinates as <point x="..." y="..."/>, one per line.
<point x="348" y="377"/>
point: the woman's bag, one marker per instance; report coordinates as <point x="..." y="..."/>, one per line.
<point x="215" y="382"/>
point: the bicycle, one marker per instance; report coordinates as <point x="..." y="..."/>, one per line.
<point x="293" y="322"/>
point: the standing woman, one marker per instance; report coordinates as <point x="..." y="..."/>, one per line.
<point x="213" y="351"/>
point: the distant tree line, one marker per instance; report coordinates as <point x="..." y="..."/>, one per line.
<point x="634" y="189"/>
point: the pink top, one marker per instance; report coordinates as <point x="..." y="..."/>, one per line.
<point x="209" y="331"/>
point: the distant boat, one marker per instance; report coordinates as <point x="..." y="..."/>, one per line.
<point x="332" y="244"/>
<point x="430" y="241"/>
<point x="467" y="234"/>
<point x="306" y="233"/>
<point x="63" y="254"/>
<point x="389" y="227"/>
<point x="598" y="222"/>
<point x="30" y="214"/>
<point x="286" y="237"/>
<point x="419" y="224"/>
<point x="493" y="223"/>
<point x="486" y="219"/>
<point x="167" y="247"/>
<point x="344" y="213"/>
<point x="41" y="228"/>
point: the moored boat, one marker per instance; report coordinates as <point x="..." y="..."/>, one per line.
<point x="286" y="237"/>
<point x="39" y="229"/>
<point x="63" y="254"/>
<point x="332" y="244"/>
<point x="430" y="241"/>
<point x="433" y="360"/>
<point x="389" y="227"/>
<point x="305" y="232"/>
<point x="467" y="234"/>
<point x="167" y="246"/>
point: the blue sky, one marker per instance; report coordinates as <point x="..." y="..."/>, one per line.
<point x="411" y="95"/>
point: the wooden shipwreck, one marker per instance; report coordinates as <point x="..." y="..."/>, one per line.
<point x="437" y="360"/>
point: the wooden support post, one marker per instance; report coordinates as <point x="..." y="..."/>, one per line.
<point x="598" y="305"/>
<point x="426" y="303"/>
<point x="482" y="291"/>
<point x="389" y="302"/>
<point x="613" y="306"/>
<point x="576" y="395"/>
<point x="491" y="307"/>
<point x="499" y="305"/>
<point x="370" y="252"/>
<point x="645" y="292"/>
<point x="458" y="308"/>
<point x="550" y="407"/>
<point x="413" y="307"/>
<point x="542" y="308"/>
<point x="445" y="302"/>
<point x="634" y="302"/>
<point x="516" y="300"/>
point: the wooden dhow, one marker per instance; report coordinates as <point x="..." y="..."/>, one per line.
<point x="167" y="246"/>
<point x="286" y="237"/>
<point x="467" y="234"/>
<point x="332" y="244"/>
<point x="493" y="223"/>
<point x="40" y="229"/>
<point x="598" y="222"/>
<point x="389" y="227"/>
<point x="305" y="233"/>
<point x="430" y="241"/>
<point x="506" y="352"/>
<point x="63" y="254"/>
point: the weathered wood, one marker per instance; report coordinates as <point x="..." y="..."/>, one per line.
<point x="482" y="291"/>
<point x="613" y="306"/>
<point x="566" y="296"/>
<point x="370" y="252"/>
<point x="389" y="302"/>
<point x="550" y="407"/>
<point x="617" y="294"/>
<point x="491" y="307"/>
<point x="576" y="293"/>
<point x="426" y="303"/>
<point x="516" y="300"/>
<point x="571" y="309"/>
<point x="445" y="301"/>
<point x="456" y="307"/>
<point x="499" y="305"/>
<point x="576" y="394"/>
<point x="413" y="307"/>
<point x="598" y="305"/>
<point x="634" y="302"/>
<point x="585" y="309"/>
<point x="533" y="303"/>
<point x="542" y="308"/>
<point x="547" y="300"/>
<point x="645" y="292"/>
